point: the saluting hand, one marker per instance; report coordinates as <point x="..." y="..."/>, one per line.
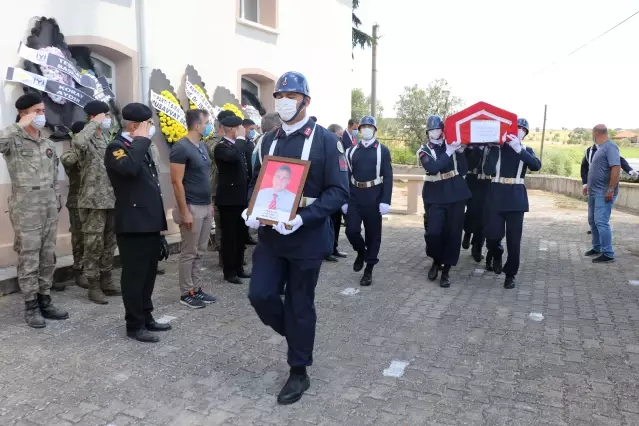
<point x="27" y="119"/>
<point x="99" y="118"/>
<point x="142" y="130"/>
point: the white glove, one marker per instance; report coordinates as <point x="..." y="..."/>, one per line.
<point x="384" y="208"/>
<point x="345" y="209"/>
<point x="634" y="173"/>
<point x="515" y="143"/>
<point x="452" y="147"/>
<point x="294" y="224"/>
<point x="251" y="221"/>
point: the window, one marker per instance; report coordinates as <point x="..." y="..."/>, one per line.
<point x="250" y="10"/>
<point x="251" y="86"/>
<point x="105" y="68"/>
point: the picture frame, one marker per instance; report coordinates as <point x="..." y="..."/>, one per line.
<point x="278" y="190"/>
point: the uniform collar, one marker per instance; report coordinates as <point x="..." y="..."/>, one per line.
<point x="304" y="124"/>
<point x="26" y="135"/>
<point x="231" y="141"/>
<point x="372" y="142"/>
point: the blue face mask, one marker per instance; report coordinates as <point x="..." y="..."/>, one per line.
<point x="207" y="130"/>
<point x="355" y="132"/>
<point x="252" y="134"/>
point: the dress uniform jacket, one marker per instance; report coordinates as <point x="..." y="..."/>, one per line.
<point x="371" y="174"/>
<point x="232" y="178"/>
<point x="134" y="176"/>
<point x="445" y="173"/>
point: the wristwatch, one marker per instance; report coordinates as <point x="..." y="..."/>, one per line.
<point x="610" y="190"/>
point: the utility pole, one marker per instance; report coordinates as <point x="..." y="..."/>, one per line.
<point x="543" y="134"/>
<point x="374" y="73"/>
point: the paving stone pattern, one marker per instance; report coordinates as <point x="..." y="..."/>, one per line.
<point x="475" y="358"/>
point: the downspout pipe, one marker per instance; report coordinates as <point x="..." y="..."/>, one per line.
<point x="144" y="73"/>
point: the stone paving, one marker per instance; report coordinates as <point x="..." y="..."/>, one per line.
<point x="474" y="355"/>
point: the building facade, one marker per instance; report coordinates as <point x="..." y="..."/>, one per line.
<point x="234" y="44"/>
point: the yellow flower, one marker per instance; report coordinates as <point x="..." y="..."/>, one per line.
<point x="235" y="110"/>
<point x="170" y="128"/>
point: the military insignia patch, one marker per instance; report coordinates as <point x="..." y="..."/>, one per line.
<point x="308" y="132"/>
<point x="284" y="83"/>
<point x="119" y="153"/>
<point x="340" y="147"/>
<point x="49" y="153"/>
<point x="343" y="167"/>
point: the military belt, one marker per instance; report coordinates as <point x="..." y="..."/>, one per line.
<point x="30" y="188"/>
<point x="480" y="176"/>
<point x="440" y="176"/>
<point x="367" y="184"/>
<point x="509" y="181"/>
<point x="306" y="201"/>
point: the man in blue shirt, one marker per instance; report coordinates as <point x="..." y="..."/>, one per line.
<point x="602" y="189"/>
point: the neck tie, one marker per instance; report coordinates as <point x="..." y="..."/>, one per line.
<point x="272" y="205"/>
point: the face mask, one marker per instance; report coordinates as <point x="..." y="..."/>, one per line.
<point x="521" y="134"/>
<point x="252" y="134"/>
<point x="106" y="124"/>
<point x="434" y="134"/>
<point x="207" y="130"/>
<point x="39" y="121"/>
<point x="368" y="133"/>
<point x="355" y="132"/>
<point x="151" y="131"/>
<point x="286" y="108"/>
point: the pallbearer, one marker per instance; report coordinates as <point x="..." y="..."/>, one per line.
<point x="477" y="183"/>
<point x="371" y="187"/>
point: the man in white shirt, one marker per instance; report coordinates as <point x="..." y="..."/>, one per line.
<point x="277" y="197"/>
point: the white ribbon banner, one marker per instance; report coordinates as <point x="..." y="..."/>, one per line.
<point x="164" y="105"/>
<point x="18" y="75"/>
<point x="200" y="100"/>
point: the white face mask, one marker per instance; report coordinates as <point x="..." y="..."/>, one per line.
<point x="106" y="124"/>
<point x="368" y="133"/>
<point x="434" y="134"/>
<point x="521" y="134"/>
<point x="151" y="132"/>
<point x="286" y="108"/>
<point x="39" y="121"/>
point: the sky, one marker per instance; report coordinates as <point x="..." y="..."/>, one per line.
<point x="494" y="50"/>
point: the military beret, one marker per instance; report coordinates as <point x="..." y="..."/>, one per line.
<point x="77" y="127"/>
<point x="136" y="112"/>
<point x="225" y="113"/>
<point x="231" y="121"/>
<point x="28" y="100"/>
<point x="96" y="107"/>
<point x="248" y="122"/>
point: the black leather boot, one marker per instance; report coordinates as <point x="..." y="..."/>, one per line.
<point x="32" y="315"/>
<point x="298" y="382"/>
<point x="433" y="272"/>
<point x="497" y="265"/>
<point x="444" y="281"/>
<point x="49" y="311"/>
<point x="367" y="279"/>
<point x="466" y="240"/>
<point x="359" y="261"/>
<point x="476" y="253"/>
<point x="510" y="282"/>
<point x="489" y="261"/>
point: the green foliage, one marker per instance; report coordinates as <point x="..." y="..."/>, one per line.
<point x="557" y="163"/>
<point x="361" y="105"/>
<point x="555" y="137"/>
<point x="579" y="136"/>
<point x="415" y="105"/>
<point x="360" y="38"/>
<point x="624" y="142"/>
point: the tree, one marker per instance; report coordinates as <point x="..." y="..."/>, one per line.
<point x="360" y="38"/>
<point x="415" y="105"/>
<point x="361" y="105"/>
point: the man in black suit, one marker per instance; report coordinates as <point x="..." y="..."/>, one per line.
<point x="231" y="196"/>
<point x="139" y="218"/>
<point x="349" y="137"/>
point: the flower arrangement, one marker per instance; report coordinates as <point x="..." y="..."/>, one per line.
<point x="235" y="110"/>
<point x="193" y="106"/>
<point x="172" y="129"/>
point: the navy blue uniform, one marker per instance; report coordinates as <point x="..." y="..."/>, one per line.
<point x="477" y="183"/>
<point x="507" y="201"/>
<point x="445" y="196"/>
<point x="371" y="183"/>
<point x="589" y="154"/>
<point x="139" y="220"/>
<point x="296" y="258"/>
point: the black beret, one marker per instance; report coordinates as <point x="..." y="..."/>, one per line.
<point x="96" y="107"/>
<point x="225" y="113"/>
<point x="28" y="100"/>
<point x="248" y="122"/>
<point x="136" y="112"/>
<point x="231" y="121"/>
<point x="77" y="127"/>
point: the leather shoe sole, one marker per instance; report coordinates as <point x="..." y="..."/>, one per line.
<point x="292" y="399"/>
<point x="158" y="326"/>
<point x="143" y="336"/>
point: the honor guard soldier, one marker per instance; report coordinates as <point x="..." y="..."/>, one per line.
<point x="371" y="177"/>
<point x="433" y="124"/>
<point x="445" y="197"/>
<point x="33" y="206"/>
<point x="96" y="202"/>
<point x="293" y="252"/>
<point x="70" y="160"/>
<point x="477" y="183"/>
<point x="139" y="219"/>
<point x="507" y="200"/>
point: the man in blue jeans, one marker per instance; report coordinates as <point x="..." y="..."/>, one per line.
<point x="602" y="189"/>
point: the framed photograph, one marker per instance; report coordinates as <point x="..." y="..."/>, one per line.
<point x="278" y="190"/>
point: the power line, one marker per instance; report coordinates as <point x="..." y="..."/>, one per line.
<point x="586" y="44"/>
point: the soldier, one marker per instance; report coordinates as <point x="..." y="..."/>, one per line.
<point x="293" y="252"/>
<point x="371" y="176"/>
<point x="71" y="163"/>
<point x="478" y="185"/>
<point x="434" y="127"/>
<point x="33" y="206"/>
<point x="96" y="202"/>
<point x="446" y="198"/>
<point x="507" y="200"/>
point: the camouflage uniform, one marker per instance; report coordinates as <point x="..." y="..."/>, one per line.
<point x="216" y="215"/>
<point x="71" y="163"/>
<point x="96" y="202"/>
<point x="33" y="211"/>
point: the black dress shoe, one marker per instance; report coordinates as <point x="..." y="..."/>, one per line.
<point x="143" y="335"/>
<point x="510" y="282"/>
<point x="497" y="265"/>
<point x="359" y="262"/>
<point x="330" y="258"/>
<point x="433" y="272"/>
<point x="294" y="388"/>
<point x="476" y="253"/>
<point x="592" y="252"/>
<point x="466" y="240"/>
<point x="233" y="279"/>
<point x="338" y="253"/>
<point x="158" y="326"/>
<point x="444" y="281"/>
<point x="601" y="259"/>
<point x="243" y="274"/>
<point x="367" y="278"/>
